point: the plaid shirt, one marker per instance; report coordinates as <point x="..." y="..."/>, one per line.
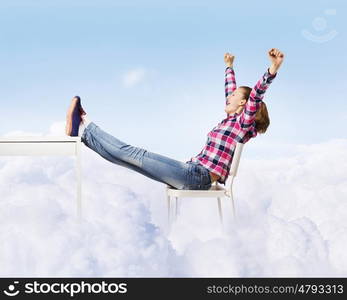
<point x="218" y="152"/>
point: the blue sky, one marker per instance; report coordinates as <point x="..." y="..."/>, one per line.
<point x="152" y="72"/>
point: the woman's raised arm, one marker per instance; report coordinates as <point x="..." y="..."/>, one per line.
<point x="257" y="94"/>
<point x="230" y="82"/>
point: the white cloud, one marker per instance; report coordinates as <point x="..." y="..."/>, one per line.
<point x="133" y="77"/>
<point x="39" y="235"/>
<point x="292" y="219"/>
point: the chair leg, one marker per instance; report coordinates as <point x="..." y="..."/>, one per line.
<point x="220" y="210"/>
<point x="168" y="211"/>
<point x="232" y="204"/>
<point x="176" y="211"/>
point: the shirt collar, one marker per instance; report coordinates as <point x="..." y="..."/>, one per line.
<point x="235" y="114"/>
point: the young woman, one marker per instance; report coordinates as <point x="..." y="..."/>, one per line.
<point x="246" y="117"/>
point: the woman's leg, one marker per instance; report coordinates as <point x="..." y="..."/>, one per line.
<point x="155" y="166"/>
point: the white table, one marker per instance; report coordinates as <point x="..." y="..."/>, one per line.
<point x="48" y="145"/>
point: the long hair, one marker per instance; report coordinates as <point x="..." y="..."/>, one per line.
<point x="262" y="120"/>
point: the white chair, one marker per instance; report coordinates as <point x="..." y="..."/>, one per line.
<point x="216" y="190"/>
<point x="49" y="145"/>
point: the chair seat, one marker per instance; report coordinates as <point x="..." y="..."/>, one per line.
<point x="214" y="191"/>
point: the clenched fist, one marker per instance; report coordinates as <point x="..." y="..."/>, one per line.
<point x="229" y="59"/>
<point x="276" y="56"/>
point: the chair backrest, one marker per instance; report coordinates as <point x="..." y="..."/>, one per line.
<point x="236" y="159"/>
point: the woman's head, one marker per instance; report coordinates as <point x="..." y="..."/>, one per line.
<point x="237" y="101"/>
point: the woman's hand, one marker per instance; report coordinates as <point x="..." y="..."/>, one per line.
<point x="229" y="59"/>
<point x="276" y="57"/>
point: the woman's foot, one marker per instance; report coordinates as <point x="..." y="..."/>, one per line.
<point x="74" y="117"/>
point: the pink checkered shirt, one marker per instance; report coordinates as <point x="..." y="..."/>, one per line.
<point x="218" y="152"/>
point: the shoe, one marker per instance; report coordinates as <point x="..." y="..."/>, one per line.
<point x="74" y="117"/>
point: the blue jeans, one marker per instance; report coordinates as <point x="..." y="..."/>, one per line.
<point x="180" y="175"/>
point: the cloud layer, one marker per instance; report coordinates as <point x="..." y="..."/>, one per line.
<point x="291" y="219"/>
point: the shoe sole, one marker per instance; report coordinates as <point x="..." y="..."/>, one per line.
<point x="73" y="118"/>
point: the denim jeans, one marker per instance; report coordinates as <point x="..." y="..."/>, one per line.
<point x="180" y="175"/>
